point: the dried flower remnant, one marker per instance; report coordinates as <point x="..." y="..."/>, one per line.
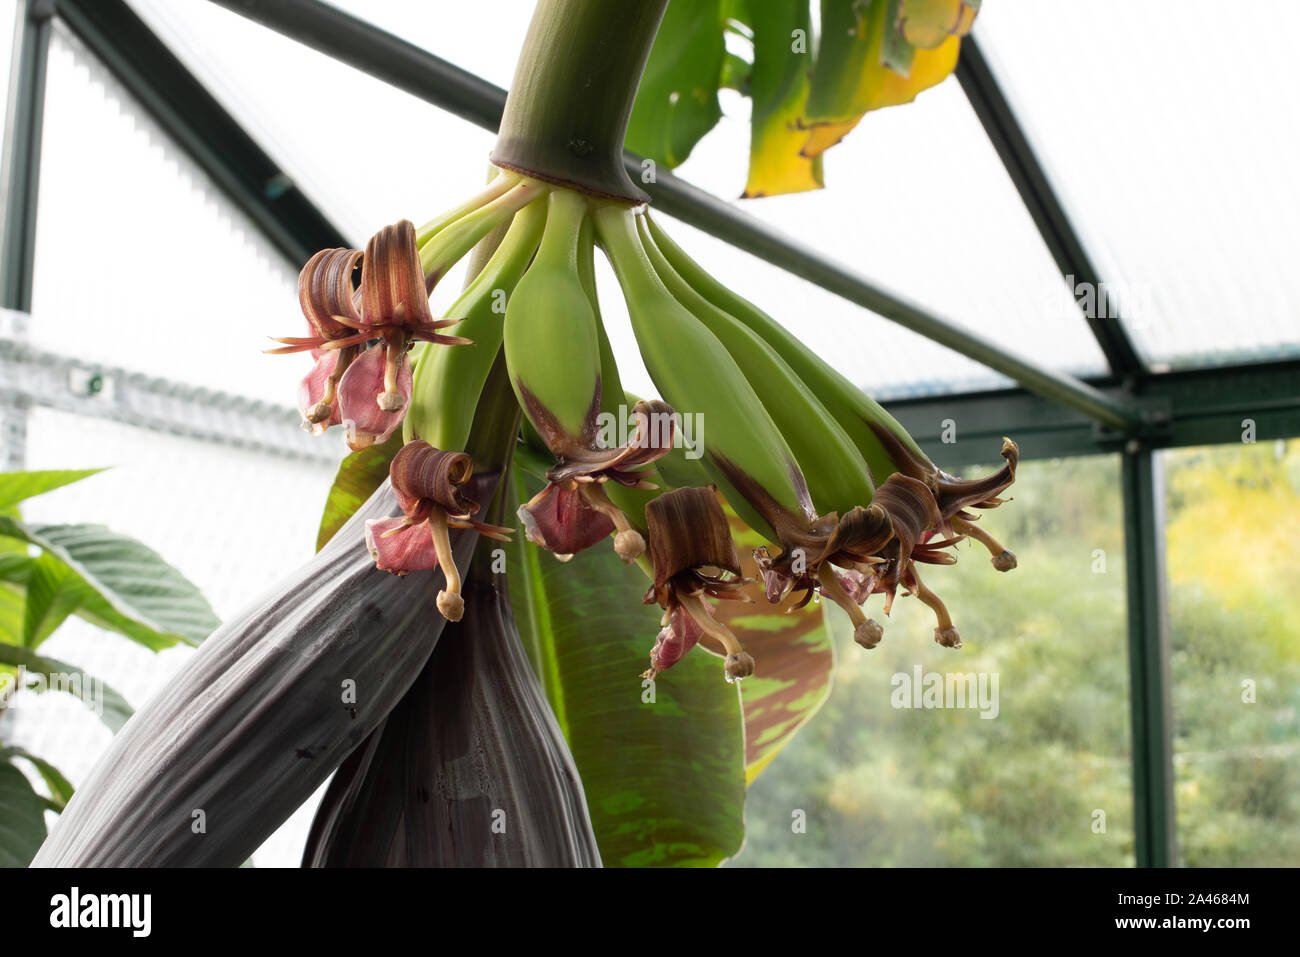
<point x="429" y="486"/>
<point x="693" y="556"/>
<point x="573" y="512"/>
<point x="877" y="548"/>
<point x="362" y="333"/>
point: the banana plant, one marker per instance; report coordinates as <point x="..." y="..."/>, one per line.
<point x="504" y="492"/>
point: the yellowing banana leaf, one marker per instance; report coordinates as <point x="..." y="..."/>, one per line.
<point x="794" y="655"/>
<point x="927" y="23"/>
<point x="356" y="480"/>
<point x="662" y="765"/>
<point x="677" y="102"/>
<point x="779" y="90"/>
<point x="865" y="62"/>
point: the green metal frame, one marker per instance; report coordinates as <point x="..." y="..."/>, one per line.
<point x="1133" y="414"/>
<point x="21" y="168"/>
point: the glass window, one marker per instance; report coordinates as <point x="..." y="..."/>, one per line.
<point x="1044" y="780"/>
<point x="1235" y="652"/>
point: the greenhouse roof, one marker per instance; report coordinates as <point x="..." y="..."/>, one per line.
<point x="985" y="219"/>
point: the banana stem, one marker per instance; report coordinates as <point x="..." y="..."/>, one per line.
<point x="501" y="182"/>
<point x="449" y="245"/>
<point x="569" y="103"/>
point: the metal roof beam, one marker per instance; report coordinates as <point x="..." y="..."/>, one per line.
<point x="420" y="73"/>
<point x="1062" y="239"/>
<point x="184" y="108"/>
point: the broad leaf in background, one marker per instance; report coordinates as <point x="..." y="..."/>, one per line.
<point x="778" y="87"/>
<point x="677" y="102"/>
<point x="807" y="93"/>
<point x="113" y="581"/>
<point x="16" y="486"/>
<point x="52" y="776"/>
<point x="794" y="654"/>
<point x="865" y="60"/>
<point x="22" y="825"/>
<point x="359" y="475"/>
<point x="664" y="780"/>
<point x="111" y="707"/>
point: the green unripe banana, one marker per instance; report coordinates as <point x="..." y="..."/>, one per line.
<point x="551" y="340"/>
<point x="613" y="400"/>
<point x="837" y="476"/>
<point x="745" y="453"/>
<point x="448" y="382"/>
<point x="858" y="414"/>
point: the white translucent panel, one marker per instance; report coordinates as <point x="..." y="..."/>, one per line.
<point x="918" y="202"/>
<point x="365" y="153"/>
<point x="232" y="521"/>
<point x="1171" y="133"/>
<point x="8" y="15"/>
<point x="141" y="262"/>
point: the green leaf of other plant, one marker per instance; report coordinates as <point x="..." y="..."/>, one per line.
<point x="17" y="486"/>
<point x="112" y="581"/>
<point x="111" y="707"/>
<point x="22" y="818"/>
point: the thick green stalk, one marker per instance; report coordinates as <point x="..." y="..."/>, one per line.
<point x="569" y="103"/>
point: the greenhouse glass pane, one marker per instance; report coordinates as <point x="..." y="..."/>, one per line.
<point x="934" y="216"/>
<point x="365" y="153"/>
<point x="8" y="15"/>
<point x="1171" y="136"/>
<point x="1045" y="779"/>
<point x="141" y="262"/>
<point x="1235" y="653"/>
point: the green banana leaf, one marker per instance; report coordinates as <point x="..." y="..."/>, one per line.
<point x="111" y="580"/>
<point x="662" y="765"/>
<point x="359" y="474"/>
<point x="677" y="102"/>
<point x="794" y="654"/>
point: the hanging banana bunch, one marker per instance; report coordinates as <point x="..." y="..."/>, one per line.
<point x="847" y="503"/>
